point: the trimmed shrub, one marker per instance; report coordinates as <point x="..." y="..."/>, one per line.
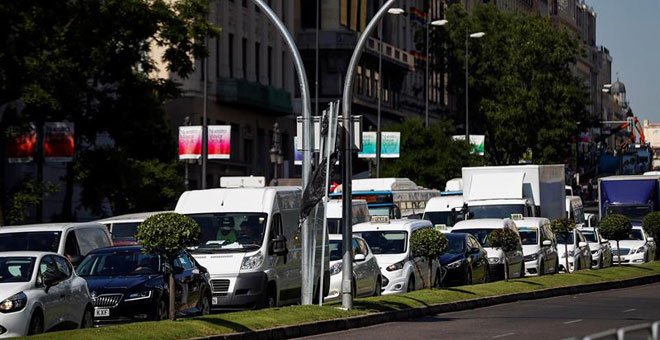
<point x="615" y="227"/>
<point x="564" y="227"/>
<point x="507" y="240"/>
<point x="429" y="243"/>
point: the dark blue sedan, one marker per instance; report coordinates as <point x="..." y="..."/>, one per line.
<point x="464" y="262"/>
<point x="128" y="285"/>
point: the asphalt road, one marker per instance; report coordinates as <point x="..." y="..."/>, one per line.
<point x="554" y="318"/>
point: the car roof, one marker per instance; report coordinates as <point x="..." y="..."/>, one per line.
<point x="456" y="235"/>
<point x="444" y="203"/>
<point x="483" y="223"/>
<point x="37" y="254"/>
<point x="106" y="250"/>
<point x="532" y="222"/>
<point x="49" y="227"/>
<point x="135" y="217"/>
<point x="399" y="224"/>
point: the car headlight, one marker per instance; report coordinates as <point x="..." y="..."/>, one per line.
<point x="395" y="266"/>
<point x="531" y="257"/>
<point x="455" y="264"/>
<point x="336" y="268"/>
<point x="138" y="296"/>
<point x="594" y="252"/>
<point x="252" y="262"/>
<point x="639" y="250"/>
<point x="13" y="303"/>
<point x="493" y="260"/>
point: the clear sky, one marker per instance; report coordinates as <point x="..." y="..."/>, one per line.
<point x="630" y="29"/>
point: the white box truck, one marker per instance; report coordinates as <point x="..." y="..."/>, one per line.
<point x="506" y="191"/>
<point x="251" y="244"/>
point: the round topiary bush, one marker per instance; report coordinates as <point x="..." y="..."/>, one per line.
<point x="615" y="227"/>
<point x="651" y="225"/>
<point x="564" y="227"/>
<point x="429" y="243"/>
<point x="507" y="240"/>
<point x="168" y="234"/>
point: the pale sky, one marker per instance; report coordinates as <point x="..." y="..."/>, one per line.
<point x="630" y="29"/>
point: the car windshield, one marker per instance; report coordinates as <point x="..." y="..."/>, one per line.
<point x="380" y="211"/>
<point x="385" y="242"/>
<point x="442" y="217"/>
<point x="496" y="211"/>
<point x="635" y="235"/>
<point x="334" y="226"/>
<point x="455" y="245"/>
<point x="30" y="240"/>
<point x="16" y="268"/>
<point x="119" y="263"/>
<point x="565" y="240"/>
<point x="335" y="250"/>
<point x="123" y="230"/>
<point x="635" y="213"/>
<point x="590" y="236"/>
<point x="230" y="231"/>
<point x="528" y="235"/>
<point x="480" y="234"/>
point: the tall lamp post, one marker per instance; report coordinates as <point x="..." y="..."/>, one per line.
<point x="605" y="89"/>
<point x="276" y="157"/>
<point x="476" y="35"/>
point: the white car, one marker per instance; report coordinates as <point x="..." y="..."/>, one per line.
<point x="480" y="229"/>
<point x="40" y="291"/>
<point x="539" y="246"/>
<point x="579" y="253"/>
<point x="366" y="273"/>
<point x="635" y="249"/>
<point x="390" y="243"/>
<point x="601" y="251"/>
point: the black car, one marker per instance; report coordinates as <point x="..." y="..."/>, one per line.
<point x="464" y="261"/>
<point x="128" y="285"/>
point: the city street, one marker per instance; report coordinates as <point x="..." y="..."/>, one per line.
<point x="555" y="318"/>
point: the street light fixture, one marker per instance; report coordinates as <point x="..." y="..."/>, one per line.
<point x="476" y="35"/>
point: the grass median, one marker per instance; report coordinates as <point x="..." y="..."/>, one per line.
<point x="225" y="323"/>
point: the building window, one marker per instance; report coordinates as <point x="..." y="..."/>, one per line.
<point x="359" y="80"/>
<point x="257" y="61"/>
<point x="230" y="45"/>
<point x="244" y="57"/>
<point x="270" y="65"/>
<point x="367" y="80"/>
<point x="217" y="57"/>
<point x="308" y="13"/>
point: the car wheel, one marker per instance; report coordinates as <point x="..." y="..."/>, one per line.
<point x="541" y="269"/>
<point x="411" y="284"/>
<point x="161" y="311"/>
<point x="87" y="320"/>
<point x="205" y="304"/>
<point x="486" y="275"/>
<point x="378" y="288"/>
<point x="556" y="266"/>
<point x="522" y="269"/>
<point x="270" y="298"/>
<point x="600" y="262"/>
<point x="468" y="276"/>
<point x="437" y="281"/>
<point x="36" y="323"/>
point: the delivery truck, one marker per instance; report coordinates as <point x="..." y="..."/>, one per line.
<point x="632" y="196"/>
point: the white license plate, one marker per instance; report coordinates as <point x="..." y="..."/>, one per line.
<point x="214" y="300"/>
<point x="101" y="312"/>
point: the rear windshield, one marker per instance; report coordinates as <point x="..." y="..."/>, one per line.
<point x="30" y="240"/>
<point x="480" y="234"/>
<point x="124" y="229"/>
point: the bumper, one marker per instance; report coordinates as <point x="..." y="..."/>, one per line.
<point x="334" y="288"/>
<point x="126" y="312"/>
<point x="496" y="271"/>
<point x="532" y="267"/>
<point x="14" y="324"/>
<point x="396" y="282"/>
<point x="595" y="260"/>
<point x="571" y="264"/>
<point x="630" y="259"/>
<point x="245" y="291"/>
<point x="453" y="276"/>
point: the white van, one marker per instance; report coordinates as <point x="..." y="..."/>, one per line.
<point x="444" y="211"/>
<point x="390" y="243"/>
<point x="123" y="228"/>
<point x="250" y="242"/>
<point x="480" y="229"/>
<point x="73" y="240"/>
<point x="575" y="210"/>
<point x="539" y="246"/>
<point x="334" y="213"/>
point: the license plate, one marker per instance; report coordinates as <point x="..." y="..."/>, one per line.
<point x="101" y="312"/>
<point x="214" y="300"/>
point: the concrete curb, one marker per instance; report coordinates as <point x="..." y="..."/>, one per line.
<point x="320" y="327"/>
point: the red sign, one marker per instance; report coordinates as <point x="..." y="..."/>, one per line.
<point x="21" y="145"/>
<point x="59" y="143"/>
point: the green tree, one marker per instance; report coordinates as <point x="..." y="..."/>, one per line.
<point x="521" y="90"/>
<point x="507" y="240"/>
<point x="564" y="227"/>
<point x="167" y="235"/>
<point x="615" y="227"/>
<point x="25" y="195"/>
<point x="651" y="225"/>
<point x="429" y="243"/>
<point x="88" y="62"/>
<point x="428" y="156"/>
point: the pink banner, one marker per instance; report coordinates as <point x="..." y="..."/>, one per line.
<point x="190" y="142"/>
<point x="219" y="141"/>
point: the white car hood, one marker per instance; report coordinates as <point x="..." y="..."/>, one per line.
<point x="631" y="244"/>
<point x="594" y="246"/>
<point x="530" y="249"/>
<point x="221" y="263"/>
<point x="10" y="288"/>
<point x="494" y="252"/>
<point x="384" y="260"/>
<point x="560" y="249"/>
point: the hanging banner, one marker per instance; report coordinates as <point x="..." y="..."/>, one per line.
<point x="390" y="144"/>
<point x="59" y="143"/>
<point x="219" y="138"/>
<point x="190" y="142"/>
<point x="21" y="145"/>
<point x="368" y="145"/>
<point x="476" y="142"/>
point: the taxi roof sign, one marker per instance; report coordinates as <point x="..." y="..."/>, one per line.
<point x="380" y="219"/>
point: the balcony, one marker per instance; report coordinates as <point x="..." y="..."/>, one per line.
<point x="254" y="95"/>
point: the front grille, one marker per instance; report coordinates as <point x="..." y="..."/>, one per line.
<point x="108" y="300"/>
<point x="621" y="251"/>
<point x="220" y="286"/>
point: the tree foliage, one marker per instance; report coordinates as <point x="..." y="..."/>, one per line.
<point x="25" y="195"/>
<point x="428" y="243"/>
<point x="428" y="156"/>
<point x="615" y="227"/>
<point x="564" y="227"/>
<point x="168" y="234"/>
<point x="651" y="225"/>
<point x="507" y="240"/>
<point x="522" y="93"/>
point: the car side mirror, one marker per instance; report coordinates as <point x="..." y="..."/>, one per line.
<point x="50" y="279"/>
<point x="359" y="257"/>
<point x="582" y="244"/>
<point x="604" y="241"/>
<point x="547" y="243"/>
<point x="278" y="246"/>
<point x="650" y="239"/>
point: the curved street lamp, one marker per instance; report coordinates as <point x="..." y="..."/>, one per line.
<point x="476" y="35"/>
